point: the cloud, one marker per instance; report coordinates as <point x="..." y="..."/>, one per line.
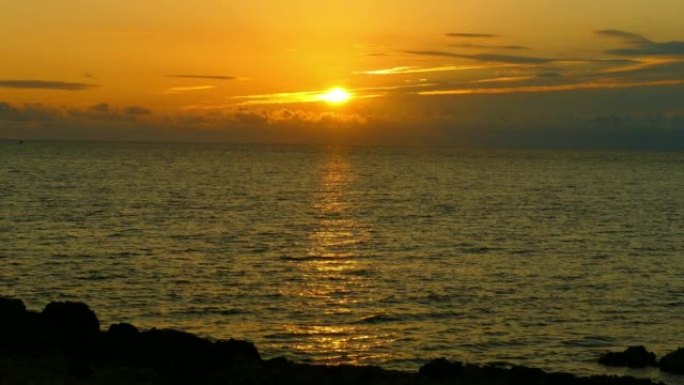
<point x="506" y="79"/>
<point x="595" y="85"/>
<point x="641" y="118"/>
<point x="137" y="110"/>
<point x="467" y="35"/>
<point x="641" y="46"/>
<point x="420" y="70"/>
<point x="299" y="117"/>
<point x="489" y="46"/>
<point x="173" y="90"/>
<point x="210" y="77"/>
<point x="486" y="57"/>
<point x="100" y="108"/>
<point x="105" y="112"/>
<point x="627" y="36"/>
<point x="9" y="112"/>
<point x="46" y="85"/>
<point x="29" y="112"/>
<point x="643" y="63"/>
<point x="510" y="59"/>
<point x="295" y="97"/>
<point x="281" y="98"/>
<point x="313" y="97"/>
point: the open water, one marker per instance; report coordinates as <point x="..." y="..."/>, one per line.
<point x="386" y="256"/>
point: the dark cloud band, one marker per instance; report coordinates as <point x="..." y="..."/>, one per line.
<point x="467" y="35"/>
<point x="46" y="85"/>
<point x="511" y="59"/>
<point x="641" y="46"/>
<point x="488" y="46"/>
<point x="212" y="77"/>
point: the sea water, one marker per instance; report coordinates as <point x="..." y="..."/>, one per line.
<point x="361" y="255"/>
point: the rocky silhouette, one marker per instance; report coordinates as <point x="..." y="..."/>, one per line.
<point x="673" y="362"/>
<point x="441" y="369"/>
<point x="71" y="326"/>
<point x="63" y="344"/>
<point x="632" y="357"/>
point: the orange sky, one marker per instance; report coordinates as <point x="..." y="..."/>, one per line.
<point x="417" y="71"/>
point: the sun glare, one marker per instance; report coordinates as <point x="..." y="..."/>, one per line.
<point x="336" y="96"/>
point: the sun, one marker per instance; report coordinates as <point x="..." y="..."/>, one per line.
<point x="336" y="95"/>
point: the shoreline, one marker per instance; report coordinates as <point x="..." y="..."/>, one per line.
<point x="64" y="344"/>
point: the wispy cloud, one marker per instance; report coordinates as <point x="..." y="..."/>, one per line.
<point x="281" y="98"/>
<point x="46" y="85"/>
<point x="506" y="79"/>
<point x="468" y="35"/>
<point x="319" y="96"/>
<point x="489" y="46"/>
<point x="208" y="77"/>
<point x="510" y="59"/>
<point x="630" y="37"/>
<point x="642" y="63"/>
<point x="420" y="70"/>
<point x="596" y="85"/>
<point x="189" y="88"/>
<point x="641" y="46"/>
<point x="486" y="57"/>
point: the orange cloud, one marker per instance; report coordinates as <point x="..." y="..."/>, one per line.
<point x="190" y="88"/>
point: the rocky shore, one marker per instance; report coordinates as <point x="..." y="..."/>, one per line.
<point x="64" y="344"/>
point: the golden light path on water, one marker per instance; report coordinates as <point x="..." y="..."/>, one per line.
<point x="330" y="273"/>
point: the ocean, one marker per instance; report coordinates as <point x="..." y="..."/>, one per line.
<point x="361" y="255"/>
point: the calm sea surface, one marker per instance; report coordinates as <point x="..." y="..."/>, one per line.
<point x="381" y="256"/>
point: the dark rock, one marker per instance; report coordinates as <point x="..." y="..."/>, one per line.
<point x="11" y="309"/>
<point x="673" y="362"/>
<point x="69" y="326"/>
<point x="66" y="340"/>
<point x="522" y="375"/>
<point x="71" y="319"/>
<point x="172" y="349"/>
<point x="441" y="369"/>
<point x="13" y="316"/>
<point x="561" y="379"/>
<point x="236" y="351"/>
<point x="80" y="370"/>
<point x="633" y="357"/>
<point x="120" y="342"/>
<point x="279" y="361"/>
<point x="122" y="332"/>
<point x="612" y="380"/>
<point x="19" y="328"/>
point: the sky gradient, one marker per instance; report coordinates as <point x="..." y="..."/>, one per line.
<point x="492" y="73"/>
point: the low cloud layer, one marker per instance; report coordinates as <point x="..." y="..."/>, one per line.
<point x="46" y="85"/>
<point x="40" y="113"/>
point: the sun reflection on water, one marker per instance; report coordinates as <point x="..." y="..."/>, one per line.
<point x="332" y="287"/>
